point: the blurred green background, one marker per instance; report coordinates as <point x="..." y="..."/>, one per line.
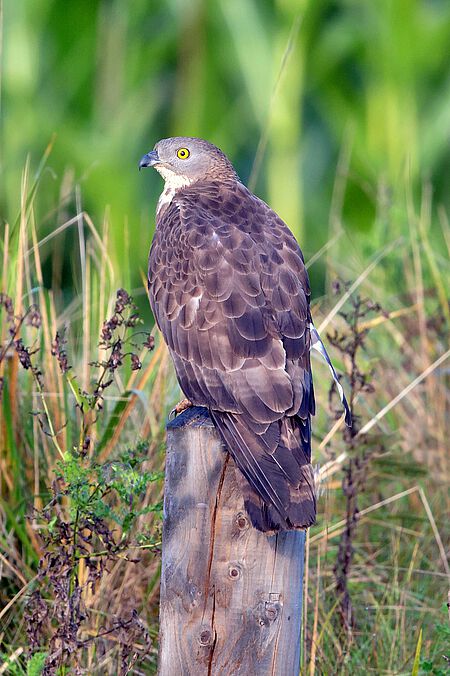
<point x="348" y="103"/>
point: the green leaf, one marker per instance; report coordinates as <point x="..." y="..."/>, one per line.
<point x="415" y="669"/>
<point x="35" y="664"/>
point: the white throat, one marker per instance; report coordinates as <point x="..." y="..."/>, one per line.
<point x="173" y="182"/>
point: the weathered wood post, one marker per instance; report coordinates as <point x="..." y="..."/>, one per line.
<point x="231" y="597"/>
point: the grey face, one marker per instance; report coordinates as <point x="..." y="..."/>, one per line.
<point x="191" y="158"/>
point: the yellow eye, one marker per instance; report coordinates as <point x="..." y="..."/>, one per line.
<point x="183" y="153"/>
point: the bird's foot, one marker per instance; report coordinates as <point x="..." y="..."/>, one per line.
<point x="180" y="407"/>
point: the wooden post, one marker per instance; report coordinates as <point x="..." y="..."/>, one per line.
<point x="231" y="597"/>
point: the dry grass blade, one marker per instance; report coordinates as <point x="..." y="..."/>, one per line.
<point x="382" y="319"/>
<point x="312" y="661"/>
<point x="416" y="665"/>
<point x="159" y="357"/>
<point x="333" y="531"/>
<point x="304" y="650"/>
<point x="368" y="426"/>
<point x="327" y="438"/>
<point x="16" y="597"/>
<point x="328" y="245"/>
<point x="436" y="533"/>
<point x="334" y="465"/>
<point x="382" y="503"/>
<point x="12" y="568"/>
<point x="10" y="660"/>
<point x="75" y="220"/>
<point x="358" y="281"/>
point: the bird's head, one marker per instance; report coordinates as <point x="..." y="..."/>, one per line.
<point x="184" y="160"/>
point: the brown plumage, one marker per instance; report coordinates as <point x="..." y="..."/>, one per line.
<point x="230" y="294"/>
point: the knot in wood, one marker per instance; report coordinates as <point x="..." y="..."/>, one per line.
<point x="272" y="611"/>
<point x="241" y="521"/>
<point x="205" y="637"/>
<point x="234" y="571"/>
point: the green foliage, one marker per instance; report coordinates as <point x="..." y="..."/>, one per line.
<point x="92" y="519"/>
<point x="439" y="664"/>
<point x="35" y="664"/>
<point x="111" y="490"/>
<point x="94" y="488"/>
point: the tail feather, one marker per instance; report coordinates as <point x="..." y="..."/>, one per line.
<point x="275" y="474"/>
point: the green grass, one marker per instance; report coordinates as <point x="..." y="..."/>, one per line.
<point x="338" y="113"/>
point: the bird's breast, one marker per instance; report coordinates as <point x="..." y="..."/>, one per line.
<point x="172" y="183"/>
<point x="165" y="199"/>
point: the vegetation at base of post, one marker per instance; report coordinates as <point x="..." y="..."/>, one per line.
<point x="92" y="516"/>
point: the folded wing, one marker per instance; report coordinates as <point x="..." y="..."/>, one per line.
<point x="230" y="293"/>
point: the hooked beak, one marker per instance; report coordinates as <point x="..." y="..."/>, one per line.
<point x="149" y="160"/>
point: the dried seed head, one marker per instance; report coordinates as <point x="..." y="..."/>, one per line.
<point x="33" y="317"/>
<point x="59" y="352"/>
<point x="23" y="353"/>
<point x="135" y="362"/>
<point x="123" y="300"/>
<point x="149" y="342"/>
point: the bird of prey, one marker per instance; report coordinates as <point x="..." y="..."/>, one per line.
<point x="230" y="293"/>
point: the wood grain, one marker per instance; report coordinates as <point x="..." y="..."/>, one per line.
<point x="231" y="597"/>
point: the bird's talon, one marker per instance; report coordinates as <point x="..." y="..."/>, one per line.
<point x="182" y="405"/>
